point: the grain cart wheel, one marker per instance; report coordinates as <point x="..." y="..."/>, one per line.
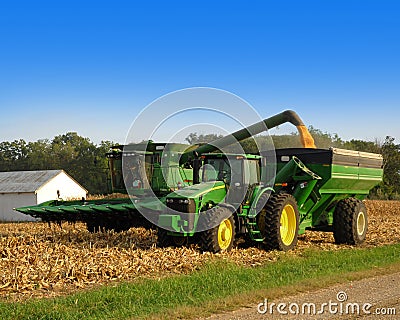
<point x="221" y="237"/>
<point x="281" y="222"/>
<point x="165" y="240"/>
<point x="350" y="221"/>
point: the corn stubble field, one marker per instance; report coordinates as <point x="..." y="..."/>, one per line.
<point x="41" y="261"/>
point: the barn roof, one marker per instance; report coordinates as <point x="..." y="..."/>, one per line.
<point x="25" y="181"/>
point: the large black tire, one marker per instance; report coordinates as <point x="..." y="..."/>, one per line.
<point x="221" y="237"/>
<point x="281" y="226"/>
<point x="262" y="211"/>
<point x="164" y="240"/>
<point x="350" y="222"/>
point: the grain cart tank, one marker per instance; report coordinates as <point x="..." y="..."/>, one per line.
<point x="332" y="201"/>
<point x="314" y="189"/>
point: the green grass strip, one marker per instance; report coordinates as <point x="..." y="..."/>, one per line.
<point x="214" y="282"/>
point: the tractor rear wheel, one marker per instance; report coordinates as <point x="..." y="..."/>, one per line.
<point x="222" y="236"/>
<point x="350" y="222"/>
<point x="261" y="211"/>
<point x="281" y="226"/>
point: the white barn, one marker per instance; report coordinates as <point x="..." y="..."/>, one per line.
<point x="27" y="188"/>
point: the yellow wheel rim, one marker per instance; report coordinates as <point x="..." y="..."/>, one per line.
<point x="361" y="222"/>
<point x="225" y="234"/>
<point x="288" y="225"/>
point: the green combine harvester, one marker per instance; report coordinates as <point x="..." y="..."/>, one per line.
<point x="120" y="214"/>
<point x="210" y="197"/>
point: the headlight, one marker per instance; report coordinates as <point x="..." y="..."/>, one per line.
<point x="170" y="200"/>
<point x="186" y="201"/>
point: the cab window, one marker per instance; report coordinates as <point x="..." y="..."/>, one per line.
<point x="252" y="172"/>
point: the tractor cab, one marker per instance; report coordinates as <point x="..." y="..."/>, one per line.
<point x="223" y="178"/>
<point x="240" y="173"/>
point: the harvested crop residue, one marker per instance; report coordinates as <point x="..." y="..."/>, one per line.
<point x="38" y="260"/>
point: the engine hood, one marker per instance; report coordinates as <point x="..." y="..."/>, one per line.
<point x="197" y="190"/>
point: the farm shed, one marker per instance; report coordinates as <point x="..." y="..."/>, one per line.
<point x="26" y="188"/>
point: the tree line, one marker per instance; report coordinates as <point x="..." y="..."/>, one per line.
<point x="86" y="161"/>
<point x="78" y="156"/>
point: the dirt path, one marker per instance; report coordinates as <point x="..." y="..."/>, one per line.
<point x="376" y="298"/>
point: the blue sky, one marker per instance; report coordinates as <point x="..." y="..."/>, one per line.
<point x="91" y="67"/>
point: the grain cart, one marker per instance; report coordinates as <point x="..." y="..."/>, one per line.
<point x="162" y="177"/>
<point x="314" y="189"/>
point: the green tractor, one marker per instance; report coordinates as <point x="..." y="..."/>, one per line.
<point x="314" y="189"/>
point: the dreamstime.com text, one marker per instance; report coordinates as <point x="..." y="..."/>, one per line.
<point x="340" y="306"/>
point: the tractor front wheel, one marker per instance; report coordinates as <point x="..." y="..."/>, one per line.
<point x="281" y="227"/>
<point x="350" y="222"/>
<point x="222" y="235"/>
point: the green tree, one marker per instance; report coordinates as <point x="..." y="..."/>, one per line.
<point x="390" y="187"/>
<point x="13" y="155"/>
<point x="195" y="138"/>
<point x="365" y="146"/>
<point x="83" y="160"/>
<point x="40" y="155"/>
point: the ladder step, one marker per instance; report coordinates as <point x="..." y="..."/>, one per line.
<point x="252" y="227"/>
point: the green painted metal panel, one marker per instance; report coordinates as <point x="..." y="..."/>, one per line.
<point x="170" y="221"/>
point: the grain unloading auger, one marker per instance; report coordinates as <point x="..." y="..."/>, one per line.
<point x="162" y="177"/>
